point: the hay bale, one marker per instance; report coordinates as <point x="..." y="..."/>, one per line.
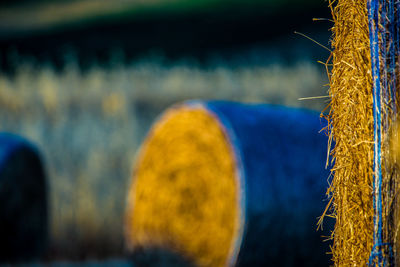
<point x="222" y="183"/>
<point x="351" y="128"/>
<point x="23" y="201"/>
<point x="363" y="111"/>
<point x="384" y="25"/>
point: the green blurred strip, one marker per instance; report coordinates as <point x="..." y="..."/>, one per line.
<point x="43" y="15"/>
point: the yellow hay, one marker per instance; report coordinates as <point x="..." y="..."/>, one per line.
<point x="390" y="184"/>
<point x="185" y="192"/>
<point x="351" y="127"/>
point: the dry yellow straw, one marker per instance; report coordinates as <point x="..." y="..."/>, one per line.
<point x="185" y="193"/>
<point x="391" y="211"/>
<point x="351" y="127"/>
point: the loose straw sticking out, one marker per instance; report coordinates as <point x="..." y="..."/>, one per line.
<point x="185" y="189"/>
<point x="351" y="124"/>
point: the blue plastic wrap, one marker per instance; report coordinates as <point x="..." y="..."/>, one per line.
<point x="281" y="158"/>
<point x="23" y="201"/>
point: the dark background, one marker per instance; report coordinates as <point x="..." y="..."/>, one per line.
<point x="180" y="29"/>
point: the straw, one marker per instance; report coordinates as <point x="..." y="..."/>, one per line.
<point x="184" y="195"/>
<point x="350" y="126"/>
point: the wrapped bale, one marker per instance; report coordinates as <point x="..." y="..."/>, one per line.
<point x="222" y="183"/>
<point x="364" y="86"/>
<point x="23" y="200"/>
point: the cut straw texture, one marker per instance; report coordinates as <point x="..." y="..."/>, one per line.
<point x="362" y="123"/>
<point x="391" y="185"/>
<point x="351" y="131"/>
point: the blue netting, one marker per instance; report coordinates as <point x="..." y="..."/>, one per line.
<point x="384" y="43"/>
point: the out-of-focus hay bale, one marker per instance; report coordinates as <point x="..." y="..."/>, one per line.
<point x="23" y="201"/>
<point x="187" y="143"/>
<point x="222" y="183"/>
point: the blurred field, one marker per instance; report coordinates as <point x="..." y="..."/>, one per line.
<point x="86" y="79"/>
<point x="90" y="123"/>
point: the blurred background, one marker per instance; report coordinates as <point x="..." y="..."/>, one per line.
<point x="85" y="79"/>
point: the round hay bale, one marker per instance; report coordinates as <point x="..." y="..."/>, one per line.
<point x="23" y="200"/>
<point x="363" y="110"/>
<point x="222" y="183"/>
